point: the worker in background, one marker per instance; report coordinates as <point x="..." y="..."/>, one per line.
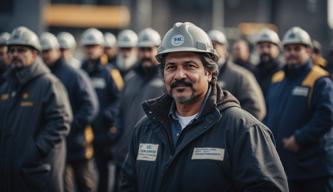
<point x="67" y="47"/>
<point x="35" y="120"/>
<point x="268" y="49"/>
<point x="127" y="51"/>
<point x="108" y="84"/>
<point x="300" y="115"/>
<point x="110" y="48"/>
<point x="79" y="172"/>
<point x="4" y="60"/>
<point x="241" y="55"/>
<point x="239" y="81"/>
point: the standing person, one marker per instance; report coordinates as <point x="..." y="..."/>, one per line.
<point x="79" y="172"/>
<point x="127" y="51"/>
<point x="108" y="84"/>
<point x="196" y="137"/>
<point x="239" y="81"/>
<point x="241" y="55"/>
<point x="67" y="47"/>
<point x="300" y="115"/>
<point x="146" y="83"/>
<point x="35" y="119"/>
<point x="110" y="48"/>
<point x="268" y="49"/>
<point x="4" y="60"/>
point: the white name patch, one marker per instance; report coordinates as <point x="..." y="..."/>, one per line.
<point x="147" y="152"/>
<point x="300" y="91"/>
<point x="98" y="83"/>
<point x="208" y="153"/>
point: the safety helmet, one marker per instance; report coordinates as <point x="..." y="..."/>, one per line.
<point x="25" y="37"/>
<point x="4" y="37"/>
<point x="109" y="40"/>
<point x="296" y="35"/>
<point x="127" y="38"/>
<point x="48" y="41"/>
<point x="66" y="40"/>
<point x="218" y="36"/>
<point x="186" y="37"/>
<point x="149" y="38"/>
<point x="268" y="35"/>
<point x="92" y="36"/>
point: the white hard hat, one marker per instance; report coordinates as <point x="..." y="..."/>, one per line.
<point x="92" y="36"/>
<point x="297" y="35"/>
<point x="127" y="38"/>
<point x="218" y="36"/>
<point x="109" y="40"/>
<point x="268" y="35"/>
<point x="66" y="40"/>
<point x="149" y="38"/>
<point x="25" y="37"/>
<point x="48" y="41"/>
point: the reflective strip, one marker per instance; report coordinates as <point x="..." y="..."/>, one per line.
<point x="278" y="76"/>
<point x="118" y="80"/>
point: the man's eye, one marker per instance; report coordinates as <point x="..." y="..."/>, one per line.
<point x="169" y="67"/>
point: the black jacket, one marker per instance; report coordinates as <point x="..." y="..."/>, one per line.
<point x="140" y="87"/>
<point x="225" y="149"/>
<point x="84" y="105"/>
<point x="35" y="118"/>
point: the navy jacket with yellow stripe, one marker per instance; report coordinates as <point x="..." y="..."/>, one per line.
<point x="108" y="84"/>
<point x="225" y="149"/>
<point x="300" y="103"/>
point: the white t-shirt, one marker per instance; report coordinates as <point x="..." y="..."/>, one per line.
<point x="185" y="120"/>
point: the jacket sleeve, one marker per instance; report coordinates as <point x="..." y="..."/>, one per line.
<point x="251" y="97"/>
<point x="254" y="165"/>
<point x="87" y="102"/>
<point x="56" y="119"/>
<point x="322" y="117"/>
<point x="128" y="179"/>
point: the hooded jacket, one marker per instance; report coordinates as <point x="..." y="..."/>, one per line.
<point x="35" y="119"/>
<point x="225" y="149"/>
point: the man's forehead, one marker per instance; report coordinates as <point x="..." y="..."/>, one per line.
<point x="182" y="57"/>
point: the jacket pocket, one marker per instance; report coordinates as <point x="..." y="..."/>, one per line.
<point x="36" y="176"/>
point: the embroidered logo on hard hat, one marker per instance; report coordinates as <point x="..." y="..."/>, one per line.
<point x="292" y="35"/>
<point x="177" y="40"/>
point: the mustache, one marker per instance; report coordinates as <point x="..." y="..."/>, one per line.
<point x="182" y="83"/>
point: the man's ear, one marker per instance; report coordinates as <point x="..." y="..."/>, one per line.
<point x="209" y="74"/>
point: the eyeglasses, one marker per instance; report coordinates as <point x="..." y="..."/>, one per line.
<point x="18" y="49"/>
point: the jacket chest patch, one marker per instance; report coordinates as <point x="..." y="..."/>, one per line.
<point x="208" y="153"/>
<point x="98" y="83"/>
<point x="300" y="91"/>
<point x="147" y="152"/>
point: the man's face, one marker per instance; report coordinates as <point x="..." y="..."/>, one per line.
<point x="21" y="56"/>
<point x="147" y="56"/>
<point x="296" y="54"/>
<point x="50" y="56"/>
<point x="221" y="51"/>
<point x="185" y="77"/>
<point x="267" y="51"/>
<point x="127" y="57"/>
<point x="4" y="60"/>
<point x="111" y="52"/>
<point x="240" y="51"/>
<point x="93" y="52"/>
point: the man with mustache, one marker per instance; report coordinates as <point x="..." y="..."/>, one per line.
<point x="145" y="83"/>
<point x="196" y="137"/>
<point x="300" y="115"/>
<point x="268" y="49"/>
<point x="239" y="81"/>
<point x="35" y="120"/>
<point x="4" y="60"/>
